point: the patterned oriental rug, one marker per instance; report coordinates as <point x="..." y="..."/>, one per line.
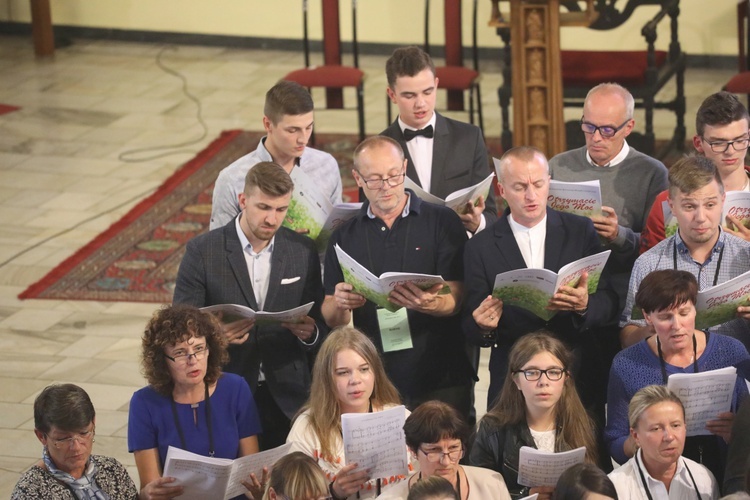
<point x="137" y="258"/>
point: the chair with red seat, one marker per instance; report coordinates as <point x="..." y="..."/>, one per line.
<point x="740" y="83"/>
<point x="454" y="76"/>
<point x="332" y="75"/>
<point x="643" y="72"/>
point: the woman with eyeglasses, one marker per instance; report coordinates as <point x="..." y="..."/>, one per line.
<point x="667" y="299"/>
<point x="537" y="407"/>
<point x="189" y="403"/>
<point x="348" y="377"/>
<point x="658" y="469"/>
<point x="436" y="435"/>
<point x="64" y="422"/>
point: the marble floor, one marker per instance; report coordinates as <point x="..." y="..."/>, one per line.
<point x="62" y="183"/>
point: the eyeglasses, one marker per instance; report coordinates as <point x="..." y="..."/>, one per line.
<point x="83" y="438"/>
<point x="722" y="146"/>
<point x="606" y="131"/>
<point x="553" y="374"/>
<point x="392" y="181"/>
<point x="436" y="456"/>
<point x="199" y="353"/>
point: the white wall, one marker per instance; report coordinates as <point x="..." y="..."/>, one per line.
<point x="705" y="27"/>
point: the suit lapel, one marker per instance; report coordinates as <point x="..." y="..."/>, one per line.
<point x="440" y="146"/>
<point x="507" y="246"/>
<point x="554" y="242"/>
<point x="236" y="259"/>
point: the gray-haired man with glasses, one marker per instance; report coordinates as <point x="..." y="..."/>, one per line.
<point x="422" y="345"/>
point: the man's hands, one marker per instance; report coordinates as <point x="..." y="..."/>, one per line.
<point x="737" y="228"/>
<point x="488" y="314"/>
<point x="571" y="299"/>
<point x="346" y="298"/>
<point x="606" y="224"/>
<point x="303" y="330"/>
<point x="412" y="297"/>
<point x="237" y="332"/>
<point x="471" y="215"/>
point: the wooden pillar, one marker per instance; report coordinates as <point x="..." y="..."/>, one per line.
<point x="537" y="77"/>
<point x="41" y="28"/>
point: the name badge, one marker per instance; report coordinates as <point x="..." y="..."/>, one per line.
<point x="395" y="334"/>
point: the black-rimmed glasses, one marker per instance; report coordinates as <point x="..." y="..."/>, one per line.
<point x="534" y="374"/>
<point x="199" y="353"/>
<point x="436" y="456"/>
<point x="722" y="146"/>
<point x="606" y="131"/>
<point x="392" y="181"/>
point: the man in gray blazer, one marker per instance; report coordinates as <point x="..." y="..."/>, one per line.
<point x="254" y="262"/>
<point x="444" y="155"/>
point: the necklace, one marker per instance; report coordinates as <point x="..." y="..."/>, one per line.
<point x="183" y="443"/>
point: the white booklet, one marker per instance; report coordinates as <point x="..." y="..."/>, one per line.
<point x="736" y="204"/>
<point x="580" y="198"/>
<point x="718" y="304"/>
<point x="376" y="441"/>
<point x="542" y="468"/>
<point x="704" y="395"/>
<point x="311" y="210"/>
<point x="206" y="477"/>
<point x="376" y="289"/>
<point x="532" y="288"/>
<point x="232" y="312"/>
<point x="457" y="200"/>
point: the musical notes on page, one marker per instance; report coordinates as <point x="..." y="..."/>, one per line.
<point x="541" y="468"/>
<point x="376" y="441"/>
<point x="704" y="395"/>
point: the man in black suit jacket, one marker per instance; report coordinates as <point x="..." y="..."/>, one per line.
<point x="445" y="155"/>
<point x="549" y="239"/>
<point x="253" y="261"/>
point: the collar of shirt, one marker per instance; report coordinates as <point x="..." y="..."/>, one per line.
<point x="680" y="474"/>
<point x="246" y="245"/>
<point x="264" y="155"/>
<point x="682" y="249"/>
<point x="403" y="126"/>
<point x="407" y="208"/>
<point x="619" y="157"/>
<point x="530" y="241"/>
<point x="420" y="151"/>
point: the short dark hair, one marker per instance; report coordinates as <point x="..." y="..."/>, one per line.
<point x="287" y="98"/>
<point x="407" y="61"/>
<point x="177" y="323"/>
<point x="65" y="406"/>
<point x="580" y="479"/>
<point x="432" y="421"/>
<point x="431" y="487"/>
<point x="691" y="173"/>
<point x="721" y="108"/>
<point x="665" y="289"/>
<point x="270" y="178"/>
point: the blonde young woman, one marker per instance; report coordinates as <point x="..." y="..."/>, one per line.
<point x="348" y="377"/>
<point x="538" y="407"/>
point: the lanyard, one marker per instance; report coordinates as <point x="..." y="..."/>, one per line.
<point x="645" y="484"/>
<point x="718" y="262"/>
<point x="211" y="451"/>
<point x="663" y="364"/>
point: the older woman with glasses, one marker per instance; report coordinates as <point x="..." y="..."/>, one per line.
<point x="189" y="403"/>
<point x="64" y="424"/>
<point x="436" y="434"/>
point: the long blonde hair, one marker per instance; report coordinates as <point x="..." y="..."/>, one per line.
<point x="324" y="406"/>
<point x="575" y="427"/>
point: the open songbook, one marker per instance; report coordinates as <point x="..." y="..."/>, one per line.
<point x="704" y="395"/>
<point x="542" y="468"/>
<point x="312" y="211"/>
<point x="376" y="289"/>
<point x="206" y="477"/>
<point x="532" y="289"/>
<point x="457" y="200"/>
<point x="232" y="312"/>
<point x="375" y="441"/>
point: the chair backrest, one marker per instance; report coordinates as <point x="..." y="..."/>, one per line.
<point x="453" y="24"/>
<point x="331" y="33"/>
<point x="743" y="34"/>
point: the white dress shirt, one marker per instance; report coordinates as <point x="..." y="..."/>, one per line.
<point x="530" y="241"/>
<point x="420" y="150"/>
<point x="258" y="265"/>
<point x="619" y="157"/>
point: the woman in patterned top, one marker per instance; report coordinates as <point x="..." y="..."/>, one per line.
<point x="64" y="424"/>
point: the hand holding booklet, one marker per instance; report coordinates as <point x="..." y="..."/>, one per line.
<point x="206" y="477"/>
<point x="541" y="468"/>
<point x="376" y="441"/>
<point x="377" y="289"/>
<point x="457" y="200"/>
<point x="234" y="312"/>
<point x="532" y="289"/>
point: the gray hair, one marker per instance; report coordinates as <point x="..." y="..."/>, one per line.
<point x="647" y="397"/>
<point x="615" y="88"/>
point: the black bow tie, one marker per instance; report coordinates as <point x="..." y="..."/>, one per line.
<point x="426" y="132"/>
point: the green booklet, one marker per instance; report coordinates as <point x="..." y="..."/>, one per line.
<point x="311" y="211"/>
<point x="718" y="304"/>
<point x="377" y="288"/>
<point x="457" y="200"/>
<point x="228" y="313"/>
<point x="532" y="289"/>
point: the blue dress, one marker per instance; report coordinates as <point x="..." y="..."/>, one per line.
<point x="233" y="417"/>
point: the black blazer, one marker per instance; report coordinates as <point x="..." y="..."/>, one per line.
<point x="459" y="159"/>
<point x="213" y="271"/>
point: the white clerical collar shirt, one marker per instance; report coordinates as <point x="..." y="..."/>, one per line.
<point x="619" y="157"/>
<point x="420" y="150"/>
<point x="258" y="265"/>
<point x="630" y="486"/>
<point x="530" y="241"/>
